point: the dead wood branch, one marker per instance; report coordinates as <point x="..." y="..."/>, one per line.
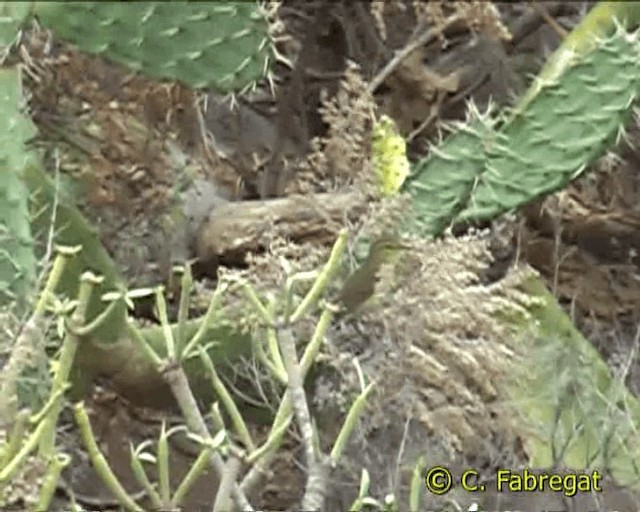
<point x="237" y="228"/>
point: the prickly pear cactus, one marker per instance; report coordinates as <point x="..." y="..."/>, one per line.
<point x="442" y="183"/>
<point x="480" y="172"/>
<point x="223" y="45"/>
<point x="17" y="259"/>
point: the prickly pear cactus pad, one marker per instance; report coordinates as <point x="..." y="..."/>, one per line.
<point x="17" y="260"/>
<point x="222" y="45"/>
<point x="441" y="183"/>
<point x="569" y="125"/>
<point x="481" y="172"/>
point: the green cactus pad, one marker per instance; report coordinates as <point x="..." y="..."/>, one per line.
<point x="222" y="45"/>
<point x="567" y="127"/>
<point x="17" y="259"/>
<point x="441" y="183"/>
<point x="478" y="174"/>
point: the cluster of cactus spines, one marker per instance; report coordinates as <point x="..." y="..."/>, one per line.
<point x="479" y="174"/>
<point x="221" y="45"/>
<point x="17" y="258"/>
<point x="442" y="183"/>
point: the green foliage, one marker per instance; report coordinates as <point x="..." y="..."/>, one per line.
<point x="224" y="45"/>
<point x="73" y="230"/>
<point x="17" y="259"/>
<point x="482" y="171"/>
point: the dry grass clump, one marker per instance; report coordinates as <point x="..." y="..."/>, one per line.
<point x="440" y="355"/>
<point x="343" y="154"/>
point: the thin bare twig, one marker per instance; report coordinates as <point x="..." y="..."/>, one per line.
<point x="544" y="13"/>
<point x="413" y="44"/>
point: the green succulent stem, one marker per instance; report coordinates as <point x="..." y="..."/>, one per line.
<point x="8" y="471"/>
<point x="417" y="487"/>
<point x="50" y="484"/>
<point x="29" y="343"/>
<point x="195" y="472"/>
<point x="355" y="411"/>
<point x="99" y="462"/>
<point x="162" y="462"/>
<point x="14" y="438"/>
<point x="141" y="476"/>
<point x="64" y="365"/>
<point x="328" y="272"/>
<point x="225" y="397"/>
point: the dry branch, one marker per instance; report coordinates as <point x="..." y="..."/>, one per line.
<point x="237" y="228"/>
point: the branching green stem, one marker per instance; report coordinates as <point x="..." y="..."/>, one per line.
<point x="327" y="273"/>
<point x="67" y="356"/>
<point x="223" y="394"/>
<point x="99" y="462"/>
